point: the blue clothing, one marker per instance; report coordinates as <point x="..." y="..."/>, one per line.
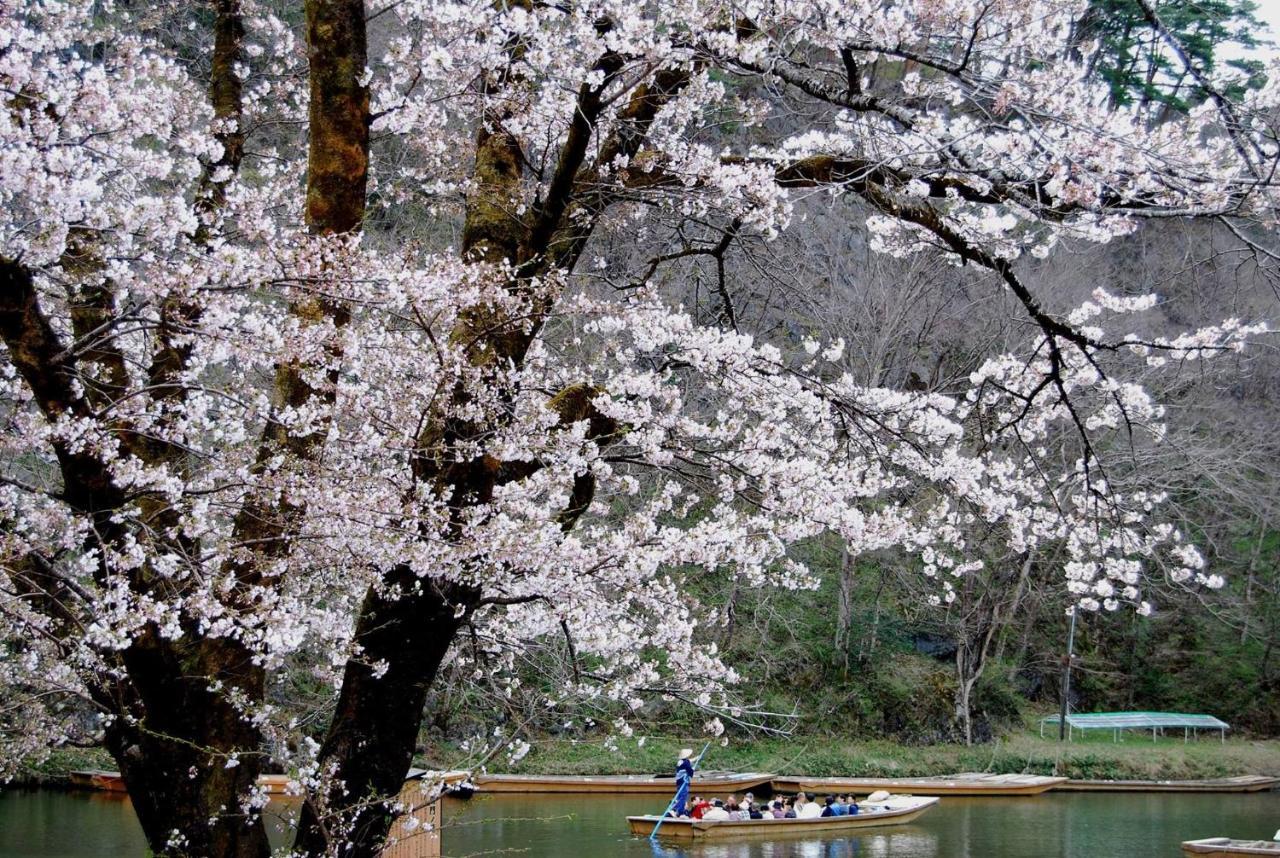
<point x="684" y="779"/>
<point x="838" y="809"/>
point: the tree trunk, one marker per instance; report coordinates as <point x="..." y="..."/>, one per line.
<point x="407" y="624"/>
<point x="972" y="654"/>
<point x="730" y="615"/>
<point x="374" y="729"/>
<point x="872" y="639"/>
<point x="189" y="755"/>
<point x="191" y="758"/>
<point x="844" y="614"/>
<point x="964" y="707"/>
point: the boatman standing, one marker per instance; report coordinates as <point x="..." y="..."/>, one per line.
<point x="684" y="780"/>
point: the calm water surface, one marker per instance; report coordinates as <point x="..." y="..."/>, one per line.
<point x="50" y="824"/>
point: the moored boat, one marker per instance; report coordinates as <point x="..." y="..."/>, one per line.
<point x="1225" y="847"/>
<point x="114" y="782"/>
<point x="965" y="783"/>
<point x="277" y="785"/>
<point x="98" y="779"/>
<point x="103" y="780"/>
<point x="895" y="810"/>
<point x="626" y="784"/>
<point x="1243" y="783"/>
<point x="274" y="784"/>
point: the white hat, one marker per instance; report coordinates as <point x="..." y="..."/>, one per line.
<point x="686" y="753"/>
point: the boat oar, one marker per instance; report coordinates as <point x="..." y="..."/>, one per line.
<point x="672" y="803"/>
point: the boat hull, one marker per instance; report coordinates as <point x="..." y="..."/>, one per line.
<point x="901" y="810"/>
<point x="97" y="779"/>
<point x="1244" y="783"/>
<point x="615" y="784"/>
<point x="1224" y="847"/>
<point x="114" y="782"/>
<point x="277" y="785"/>
<point x="969" y="783"/>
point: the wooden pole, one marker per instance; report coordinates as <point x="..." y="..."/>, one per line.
<point x="672" y="803"/>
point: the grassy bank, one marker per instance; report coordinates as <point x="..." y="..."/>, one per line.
<point x="1095" y="757"/>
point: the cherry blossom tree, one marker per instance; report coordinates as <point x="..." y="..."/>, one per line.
<point x="260" y="405"/>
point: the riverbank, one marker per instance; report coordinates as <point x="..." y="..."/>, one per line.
<point x="1135" y="758"/>
<point x="1024" y="752"/>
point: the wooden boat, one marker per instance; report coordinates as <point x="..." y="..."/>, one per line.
<point x="896" y="810"/>
<point x="278" y="785"/>
<point x="98" y="779"/>
<point x="714" y="782"/>
<point x="1225" y="847"/>
<point x="1243" y="783"/>
<point x="275" y="784"/>
<point x="965" y="783"/>
<point x="114" y="781"/>
<point x="448" y="778"/>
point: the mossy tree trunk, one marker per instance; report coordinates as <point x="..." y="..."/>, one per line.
<point x="371" y="739"/>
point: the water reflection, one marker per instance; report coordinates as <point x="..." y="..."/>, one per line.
<point x="908" y="841"/>
<point x="53" y="824"/>
<point x="905" y="841"/>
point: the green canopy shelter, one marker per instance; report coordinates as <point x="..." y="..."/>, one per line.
<point x="1156" y="722"/>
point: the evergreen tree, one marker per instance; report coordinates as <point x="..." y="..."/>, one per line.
<point x="1140" y="69"/>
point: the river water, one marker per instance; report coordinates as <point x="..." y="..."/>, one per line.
<point x="55" y="824"/>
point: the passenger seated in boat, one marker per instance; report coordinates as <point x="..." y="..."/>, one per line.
<point x="840" y="807"/>
<point x="788" y="809"/>
<point x="754" y="811"/>
<point x="699" y="807"/>
<point x="806" y="808"/>
<point x="828" y="807"/>
<point x="852" y="807"/>
<point x="777" y="811"/>
<point x="716" y="812"/>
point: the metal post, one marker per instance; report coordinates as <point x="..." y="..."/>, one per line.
<point x="1066" y="676"/>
